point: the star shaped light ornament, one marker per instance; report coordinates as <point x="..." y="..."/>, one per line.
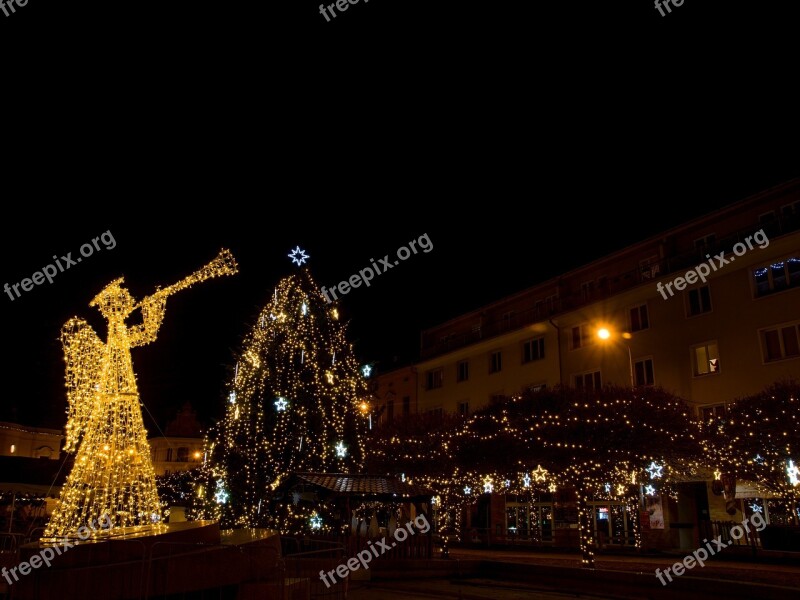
<point x="654" y="470"/>
<point x="526" y="481"/>
<point x="467" y="490"/>
<point x="298" y="256"/>
<point x="552" y="488"/>
<point x="651" y="491"/>
<point x="756" y="507"/>
<point x="341" y="450"/>
<point x="487" y="486"/>
<point x="280" y="404"/>
<point x="792" y="471"/>
<point x="539" y="474"/>
<point x="316" y="522"/>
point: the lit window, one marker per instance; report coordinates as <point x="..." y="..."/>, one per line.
<point x="13" y="448"/>
<point x="705" y="359"/>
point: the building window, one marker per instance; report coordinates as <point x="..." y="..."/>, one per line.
<point x="587" y="287"/>
<point x="507" y="320"/>
<point x="767" y="218"/>
<point x="649" y="267"/>
<point x="538" y="309"/>
<point x="711" y="412"/>
<point x="389" y="411"/>
<point x="777" y="277"/>
<point x="581" y="337"/>
<point x="433" y="379"/>
<point x="699" y="300"/>
<point x="643" y="371"/>
<point x="533" y="349"/>
<point x="495" y="362"/>
<point x="169" y="454"/>
<point x="706" y="242"/>
<point x="497" y="398"/>
<point x="551" y="303"/>
<point x="462" y="370"/>
<point x="639" y="318"/>
<point x="705" y="359"/>
<point x="463" y="408"/>
<point x="436" y="413"/>
<point x="787" y="210"/>
<point x="406" y="405"/>
<point x="183" y="454"/>
<point x="588" y="381"/>
<point x="781" y="342"/>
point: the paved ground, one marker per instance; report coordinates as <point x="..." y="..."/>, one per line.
<point x="740" y="570"/>
<point x="471" y="590"/>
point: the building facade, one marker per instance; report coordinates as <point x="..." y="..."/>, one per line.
<point x="709" y="310"/>
<point x="30" y="442"/>
<point x="181" y="446"/>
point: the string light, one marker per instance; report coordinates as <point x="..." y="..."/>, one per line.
<point x="113" y="474"/>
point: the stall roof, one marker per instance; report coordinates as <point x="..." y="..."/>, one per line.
<point x="379" y="486"/>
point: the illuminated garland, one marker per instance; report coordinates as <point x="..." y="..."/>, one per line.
<point x="599" y="444"/>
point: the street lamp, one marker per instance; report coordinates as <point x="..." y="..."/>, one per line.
<point x="605" y="334"/>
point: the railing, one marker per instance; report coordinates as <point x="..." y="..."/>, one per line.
<point x="712" y="529"/>
<point x="608" y="286"/>
<point x="306" y="566"/>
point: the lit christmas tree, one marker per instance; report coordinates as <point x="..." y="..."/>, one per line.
<point x="294" y="404"/>
<point x="113" y="478"/>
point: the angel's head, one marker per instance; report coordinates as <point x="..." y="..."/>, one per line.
<point x="114" y="300"/>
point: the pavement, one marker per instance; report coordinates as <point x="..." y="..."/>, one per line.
<point x="521" y="574"/>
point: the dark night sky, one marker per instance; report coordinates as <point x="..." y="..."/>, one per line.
<point x="517" y="228"/>
<point x="524" y="138"/>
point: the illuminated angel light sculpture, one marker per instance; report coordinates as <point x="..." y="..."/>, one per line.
<point x="113" y="475"/>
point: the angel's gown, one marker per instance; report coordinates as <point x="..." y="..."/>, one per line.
<point x="113" y="473"/>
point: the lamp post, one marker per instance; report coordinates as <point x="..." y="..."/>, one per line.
<point x="605" y="334"/>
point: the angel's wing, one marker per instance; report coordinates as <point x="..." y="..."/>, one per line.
<point x="83" y="353"/>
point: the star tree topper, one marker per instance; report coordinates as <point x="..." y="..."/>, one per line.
<point x="298" y="256"/>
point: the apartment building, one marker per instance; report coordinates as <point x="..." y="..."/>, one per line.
<point x="627" y="318"/>
<point x="395" y="394"/>
<point x="641" y="316"/>
<point x="181" y="446"/>
<point x="30" y="442"/>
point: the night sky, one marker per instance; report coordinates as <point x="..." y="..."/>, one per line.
<point x="493" y="232"/>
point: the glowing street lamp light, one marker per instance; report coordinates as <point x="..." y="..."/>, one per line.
<point x="604" y="334"/>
